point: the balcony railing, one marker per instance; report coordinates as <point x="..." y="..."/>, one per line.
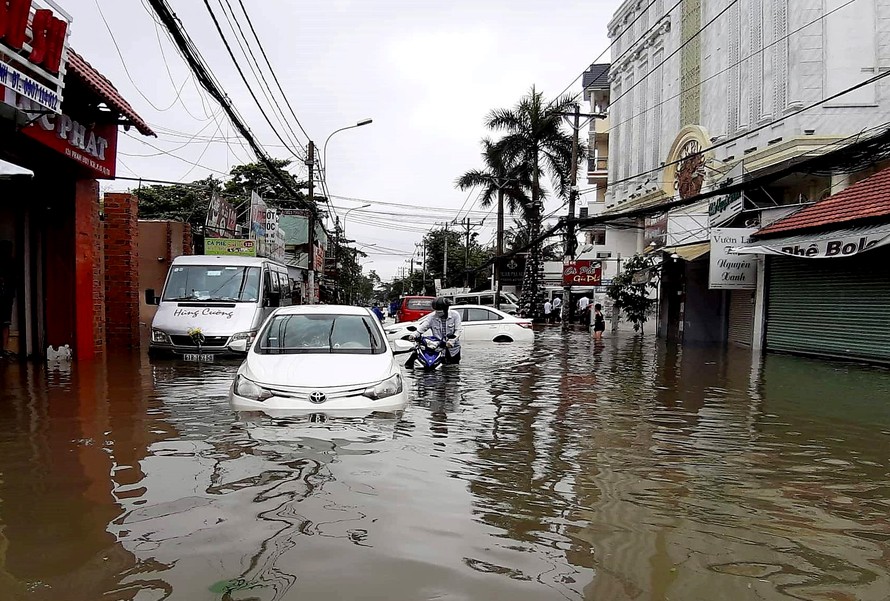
<point x="598" y="164"/>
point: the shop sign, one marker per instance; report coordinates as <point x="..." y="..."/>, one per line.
<point x="35" y="38"/>
<point x="512" y="270"/>
<point x="730" y="271"/>
<point x="655" y="230"/>
<point x="221" y="218"/>
<point x="94" y="146"/>
<point x="230" y="247"/>
<point x="275" y="236"/>
<point x="318" y="259"/>
<point x="724" y="208"/>
<point x="581" y="273"/>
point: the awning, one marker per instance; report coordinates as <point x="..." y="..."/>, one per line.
<point x="8" y="170"/>
<point x="822" y="245"/>
<point x="689" y="252"/>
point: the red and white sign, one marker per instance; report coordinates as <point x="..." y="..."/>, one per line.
<point x="94" y="146"/>
<point x="33" y="48"/>
<point x="581" y="273"/>
<point x="318" y="259"/>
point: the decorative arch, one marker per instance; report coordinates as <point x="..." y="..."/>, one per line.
<point x="687" y="177"/>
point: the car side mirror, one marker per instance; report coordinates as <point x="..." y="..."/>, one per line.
<point x="150" y="298"/>
<point x="402" y="346"/>
<point x="273" y="299"/>
<point x="239" y="346"/>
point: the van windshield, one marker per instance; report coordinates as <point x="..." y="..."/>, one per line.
<point x="331" y="333"/>
<point x="213" y="283"/>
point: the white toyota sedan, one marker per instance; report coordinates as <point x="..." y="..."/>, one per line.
<point x="479" y="323"/>
<point x="319" y="359"/>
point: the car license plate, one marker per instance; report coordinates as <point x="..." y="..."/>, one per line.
<point x="203" y="357"/>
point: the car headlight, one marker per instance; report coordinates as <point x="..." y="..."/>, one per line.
<point x="388" y="387"/>
<point x="248" y="336"/>
<point x="159" y="336"/>
<point x="251" y="390"/>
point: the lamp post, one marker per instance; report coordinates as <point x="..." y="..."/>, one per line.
<point x="324" y="150"/>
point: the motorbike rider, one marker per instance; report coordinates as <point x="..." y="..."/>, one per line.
<point x="443" y="322"/>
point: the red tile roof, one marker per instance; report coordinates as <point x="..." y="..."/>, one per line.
<point x="867" y="199"/>
<point x="106" y="90"/>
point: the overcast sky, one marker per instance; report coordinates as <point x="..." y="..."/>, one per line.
<point x="426" y="72"/>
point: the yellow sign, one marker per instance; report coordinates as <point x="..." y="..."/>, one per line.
<point x="230" y="247"/>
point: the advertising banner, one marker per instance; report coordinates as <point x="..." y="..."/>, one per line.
<point x="728" y="271"/>
<point x="275" y="236"/>
<point x="229" y="247"/>
<point x="581" y="273"/>
<point x="221" y="218"/>
<point x="655" y="230"/>
<point x="257" y="222"/>
<point x="34" y="38"/>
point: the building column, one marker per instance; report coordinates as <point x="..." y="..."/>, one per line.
<point x="89" y="292"/>
<point x="760" y="305"/>
<point x="121" y="271"/>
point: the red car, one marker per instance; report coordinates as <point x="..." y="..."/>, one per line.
<point x="412" y="308"/>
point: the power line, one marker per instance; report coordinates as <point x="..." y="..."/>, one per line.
<point x="244" y="78"/>
<point x="199" y="67"/>
<point x="271" y="70"/>
<point x="175" y="156"/>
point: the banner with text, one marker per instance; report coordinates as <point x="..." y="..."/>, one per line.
<point x="581" y="273"/>
<point x="229" y="247"/>
<point x="729" y="271"/>
<point x="221" y="218"/>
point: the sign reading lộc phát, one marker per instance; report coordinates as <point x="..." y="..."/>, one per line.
<point x="730" y="271"/>
<point x="229" y="247"/>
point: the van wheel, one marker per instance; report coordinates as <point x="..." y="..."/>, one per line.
<point x="502" y="339"/>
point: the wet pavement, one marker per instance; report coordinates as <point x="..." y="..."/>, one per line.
<point x="559" y="470"/>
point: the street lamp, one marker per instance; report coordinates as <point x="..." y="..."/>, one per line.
<point x="364" y="206"/>
<point x="324" y="150"/>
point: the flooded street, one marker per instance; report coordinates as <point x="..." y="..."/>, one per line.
<point x="558" y="470"/>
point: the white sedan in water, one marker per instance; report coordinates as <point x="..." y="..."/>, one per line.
<point x="319" y="359"/>
<point x="480" y="323"/>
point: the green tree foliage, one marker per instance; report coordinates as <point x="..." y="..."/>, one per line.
<point x="519" y="235"/>
<point x="630" y="289"/>
<point x="185" y="202"/>
<point x="435" y="257"/>
<point x="256" y="177"/>
<point x="512" y="179"/>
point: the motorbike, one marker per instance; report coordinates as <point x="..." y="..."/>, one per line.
<point x="430" y="352"/>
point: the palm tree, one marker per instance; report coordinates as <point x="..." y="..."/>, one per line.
<point x="533" y="138"/>
<point x="511" y="180"/>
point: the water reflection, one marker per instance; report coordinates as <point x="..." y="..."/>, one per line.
<point x="567" y="468"/>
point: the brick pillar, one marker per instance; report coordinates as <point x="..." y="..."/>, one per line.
<point x="188" y="243"/>
<point x="89" y="293"/>
<point x="121" y="271"/>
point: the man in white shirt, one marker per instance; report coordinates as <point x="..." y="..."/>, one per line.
<point x="583" y="312"/>
<point x="548" y="308"/>
<point x="557" y="308"/>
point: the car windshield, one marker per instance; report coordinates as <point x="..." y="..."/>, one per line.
<point x="213" y="283"/>
<point x="329" y="333"/>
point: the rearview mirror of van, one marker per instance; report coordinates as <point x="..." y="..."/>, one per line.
<point x="239" y="346"/>
<point x="150" y="298"/>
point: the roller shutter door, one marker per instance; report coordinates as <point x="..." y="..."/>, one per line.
<point x="741" y="317"/>
<point x="830" y="307"/>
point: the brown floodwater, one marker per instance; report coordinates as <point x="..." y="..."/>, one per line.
<point x="559" y="470"/>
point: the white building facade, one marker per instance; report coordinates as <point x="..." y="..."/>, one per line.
<point x="703" y="91"/>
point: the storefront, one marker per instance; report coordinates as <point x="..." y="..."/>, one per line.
<point x="58" y="121"/>
<point x="827" y="280"/>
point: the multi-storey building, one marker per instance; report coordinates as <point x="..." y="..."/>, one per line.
<point x="708" y="92"/>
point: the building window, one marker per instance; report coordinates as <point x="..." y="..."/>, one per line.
<point x="596" y="237"/>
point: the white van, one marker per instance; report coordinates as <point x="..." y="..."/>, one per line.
<point x="509" y="302"/>
<point x="211" y="301"/>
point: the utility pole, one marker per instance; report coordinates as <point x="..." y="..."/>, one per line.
<point x="445" y="261"/>
<point x="310" y="162"/>
<point x="499" y="246"/>
<point x="424" y="265"/>
<point x="571" y="239"/>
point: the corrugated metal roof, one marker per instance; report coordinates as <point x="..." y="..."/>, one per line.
<point x="100" y="84"/>
<point x="867" y="199"/>
<point x="596" y="76"/>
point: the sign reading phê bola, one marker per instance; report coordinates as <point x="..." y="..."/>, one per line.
<point x="229" y="247"/>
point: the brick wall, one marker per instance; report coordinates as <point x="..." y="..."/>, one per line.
<point x="187" y="240"/>
<point x="121" y="271"/>
<point x="89" y="275"/>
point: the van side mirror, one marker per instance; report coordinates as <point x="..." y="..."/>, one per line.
<point x="150" y="298"/>
<point x="239" y="346"/>
<point x="273" y="299"/>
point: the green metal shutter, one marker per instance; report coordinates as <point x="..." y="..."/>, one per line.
<point x="741" y="317"/>
<point x="830" y="307"/>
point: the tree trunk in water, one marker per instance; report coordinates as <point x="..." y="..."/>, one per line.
<point x="532" y="299"/>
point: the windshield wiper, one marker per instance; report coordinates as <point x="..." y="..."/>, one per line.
<point x="331" y="336"/>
